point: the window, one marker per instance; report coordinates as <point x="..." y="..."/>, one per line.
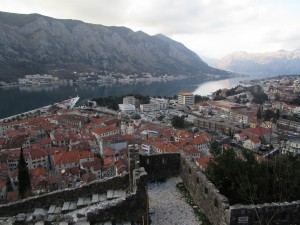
<point x="206" y="190"/>
<point x="216" y="203"/>
<point x="197" y="180"/>
<point x="190" y="170"/>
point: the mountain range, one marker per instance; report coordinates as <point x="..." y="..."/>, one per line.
<point x="34" y="43"/>
<point x="274" y="63"/>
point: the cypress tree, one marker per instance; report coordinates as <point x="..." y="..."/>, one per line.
<point x="23" y="177"/>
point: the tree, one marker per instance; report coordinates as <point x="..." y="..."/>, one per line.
<point x="241" y="178"/>
<point x="178" y="121"/>
<point x="258" y="114"/>
<point x="23" y="177"/>
<point x="276" y="116"/>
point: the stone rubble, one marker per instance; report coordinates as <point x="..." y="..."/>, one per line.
<point x="166" y="205"/>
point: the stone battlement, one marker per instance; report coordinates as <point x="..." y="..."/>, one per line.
<point x="97" y="202"/>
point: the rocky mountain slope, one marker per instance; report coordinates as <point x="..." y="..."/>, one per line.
<point x="34" y="44"/>
<point x="274" y="63"/>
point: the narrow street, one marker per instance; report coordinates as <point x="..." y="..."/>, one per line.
<point x="166" y="205"/>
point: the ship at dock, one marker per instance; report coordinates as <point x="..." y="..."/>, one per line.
<point x="67" y="104"/>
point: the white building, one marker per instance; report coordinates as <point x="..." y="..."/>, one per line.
<point x="4" y="127"/>
<point x="292" y="146"/>
<point x="186" y="99"/>
<point x="161" y="102"/>
<point x="127" y="128"/>
<point x="127" y="108"/>
<point x="129" y="100"/>
<point x="252" y="143"/>
<point x="147" y="148"/>
<point x="149" y="107"/>
<point x="296" y="110"/>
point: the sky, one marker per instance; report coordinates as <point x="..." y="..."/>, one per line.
<point x="211" y="28"/>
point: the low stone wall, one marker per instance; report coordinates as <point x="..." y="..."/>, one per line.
<point x="273" y="213"/>
<point x="58" y="197"/>
<point x="160" y="166"/>
<point x="204" y="193"/>
<point x="134" y="208"/>
<point x="216" y="206"/>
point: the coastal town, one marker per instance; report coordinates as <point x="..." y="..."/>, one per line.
<point x="94" y="77"/>
<point x="66" y="146"/>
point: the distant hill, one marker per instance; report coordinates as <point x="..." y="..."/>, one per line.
<point x="35" y="44"/>
<point x="273" y="63"/>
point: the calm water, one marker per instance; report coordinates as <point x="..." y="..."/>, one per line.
<point x="22" y="99"/>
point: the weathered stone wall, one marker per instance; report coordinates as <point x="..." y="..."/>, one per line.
<point x="273" y="213"/>
<point x="134" y="208"/>
<point x="58" y="197"/>
<point x="216" y="206"/>
<point x="161" y="166"/>
<point x="204" y="193"/>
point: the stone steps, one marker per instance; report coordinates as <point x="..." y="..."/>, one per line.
<point x="54" y="210"/>
<point x="82" y="202"/>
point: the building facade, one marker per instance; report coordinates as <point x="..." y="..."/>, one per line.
<point x="186" y="99"/>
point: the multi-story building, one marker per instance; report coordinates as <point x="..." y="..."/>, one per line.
<point x="127" y="108"/>
<point x="161" y="102"/>
<point x="71" y="159"/>
<point x="288" y="124"/>
<point x="106" y="131"/>
<point x="129" y="100"/>
<point x="186" y="99"/>
<point x="149" y="107"/>
<point x="292" y="146"/>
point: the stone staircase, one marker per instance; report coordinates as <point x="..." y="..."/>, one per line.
<point x="66" y="213"/>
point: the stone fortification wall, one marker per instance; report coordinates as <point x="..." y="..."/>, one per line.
<point x="58" y="197"/>
<point x="161" y="166"/>
<point x="205" y="194"/>
<point x="133" y="208"/>
<point x="273" y="213"/>
<point x="216" y="206"/>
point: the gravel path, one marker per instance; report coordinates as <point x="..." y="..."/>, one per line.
<point x="166" y="205"/>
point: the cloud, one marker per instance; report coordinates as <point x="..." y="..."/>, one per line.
<point x="209" y="27"/>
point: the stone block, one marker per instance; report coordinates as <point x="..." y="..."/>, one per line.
<point x="107" y="223"/>
<point x="39" y="223"/>
<point x="73" y="206"/>
<point x="110" y="194"/>
<point x="65" y="206"/>
<point x="117" y="193"/>
<point x="86" y="201"/>
<point x="51" y="209"/>
<point x="39" y="214"/>
<point x="95" y="198"/>
<point x="63" y="223"/>
<point x="82" y="223"/>
<point x="102" y="197"/>
<point x="29" y="217"/>
<point x="80" y="202"/>
<point x="57" y="210"/>
<point x="21" y="217"/>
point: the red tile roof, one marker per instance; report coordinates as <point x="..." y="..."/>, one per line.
<point x="105" y="130"/>
<point x="12" y="196"/>
<point x="255" y="140"/>
<point x="39" y="171"/>
<point x="2" y="183"/>
<point x="203" y="162"/>
<point x="108" y="162"/>
<point x="166" y="147"/>
<point x="108" y="152"/>
<point x="259" y="131"/>
<point x="71" y="157"/>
